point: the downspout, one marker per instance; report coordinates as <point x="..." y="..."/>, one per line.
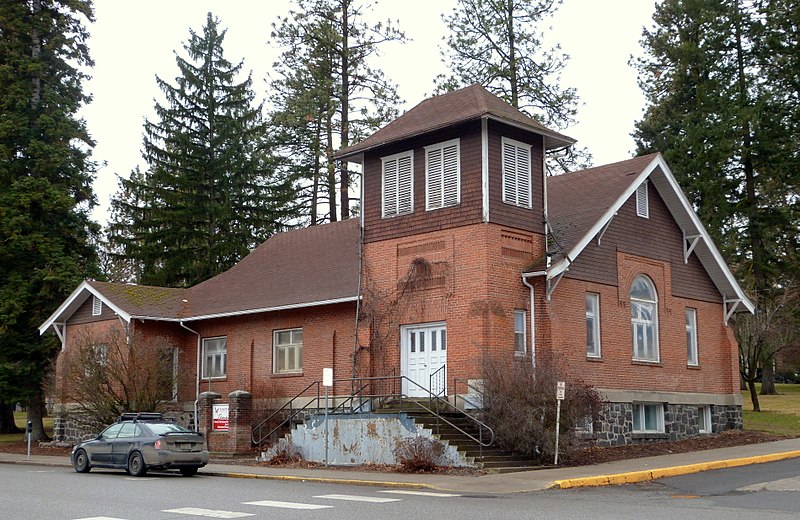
<point x="533" y="322"/>
<point x="360" y="274"/>
<point x="197" y="378"/>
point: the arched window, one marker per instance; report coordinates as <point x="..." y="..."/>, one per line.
<point x="644" y="319"/>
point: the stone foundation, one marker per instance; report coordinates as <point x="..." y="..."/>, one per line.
<point x="681" y="421"/>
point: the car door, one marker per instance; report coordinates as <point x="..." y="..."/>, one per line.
<point x="121" y="446"/>
<point x="100" y="452"/>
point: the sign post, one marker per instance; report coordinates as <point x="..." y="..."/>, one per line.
<point x="561" y="388"/>
<point x="29" y="431"/>
<point x="327" y="382"/>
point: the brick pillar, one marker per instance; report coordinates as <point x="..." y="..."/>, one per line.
<point x="240" y="418"/>
<point x="204" y="409"/>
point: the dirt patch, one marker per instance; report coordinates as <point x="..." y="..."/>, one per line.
<point x="726" y="439"/>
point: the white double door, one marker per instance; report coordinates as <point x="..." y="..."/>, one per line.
<point x="423" y="352"/>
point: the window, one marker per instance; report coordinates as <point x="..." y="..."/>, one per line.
<point x="97" y="306"/>
<point x="96" y="360"/>
<point x="516" y="173"/>
<point x="648" y="417"/>
<point x="691" y="337"/>
<point x="398" y="184"/>
<point x="215" y="357"/>
<point x="442" y="175"/>
<point x="644" y="319"/>
<point x="704" y="418"/>
<point x="592" y="324"/>
<point x="642" y="205"/>
<point x="288" y="351"/>
<point x="520" y="339"/>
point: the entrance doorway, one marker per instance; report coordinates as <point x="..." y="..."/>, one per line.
<point x="423" y="352"/>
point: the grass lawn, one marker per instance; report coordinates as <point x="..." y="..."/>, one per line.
<point x="780" y="414"/>
<point x="21" y="419"/>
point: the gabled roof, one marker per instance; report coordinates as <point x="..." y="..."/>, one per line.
<point x="467" y="104"/>
<point x="581" y="204"/>
<point x="312" y="266"/>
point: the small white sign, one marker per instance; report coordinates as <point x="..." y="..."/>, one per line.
<point x="219" y="417"/>
<point x="327" y="377"/>
<point x="561" y="388"/>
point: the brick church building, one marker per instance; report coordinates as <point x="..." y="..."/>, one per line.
<point x="465" y="247"/>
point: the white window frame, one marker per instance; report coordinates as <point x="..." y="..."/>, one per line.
<point x="520" y="316"/>
<point x="593" y="330"/>
<point x="642" y="202"/>
<point x="98" y="361"/>
<point x="397" y="185"/>
<point x="640" y="416"/>
<point x="443" y="181"/>
<point x="639" y="310"/>
<point x="704" y="418"/>
<point x="293" y="348"/>
<point x="692" y="358"/>
<point x="220" y="353"/>
<point x="513" y="192"/>
<point x="97" y="306"/>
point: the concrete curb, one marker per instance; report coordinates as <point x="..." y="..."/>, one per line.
<point x="645" y="475"/>
<point x="321" y="480"/>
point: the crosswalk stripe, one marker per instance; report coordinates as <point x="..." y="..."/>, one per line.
<point x="285" y="505"/>
<point x="357" y="498"/>
<point x="420" y="493"/>
<point x="100" y="518"/>
<point x="208" y="513"/>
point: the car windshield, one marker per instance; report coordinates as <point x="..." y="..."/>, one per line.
<point x="162" y="428"/>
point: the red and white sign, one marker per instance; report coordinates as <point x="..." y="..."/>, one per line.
<point x="219" y="418"/>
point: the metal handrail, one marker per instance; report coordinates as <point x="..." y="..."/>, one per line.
<point x="363" y="383"/>
<point x="257" y="440"/>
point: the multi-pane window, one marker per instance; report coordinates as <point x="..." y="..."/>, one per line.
<point x="288" y="350"/>
<point x="96" y="360"/>
<point x="644" y="319"/>
<point x="648" y="417"/>
<point x="398" y="184"/>
<point x="642" y="204"/>
<point x="516" y="173"/>
<point x="691" y="336"/>
<point x="592" y="324"/>
<point x="520" y="333"/>
<point x="442" y="175"/>
<point x="704" y="418"/>
<point x="215" y="357"/>
<point x="97" y="306"/>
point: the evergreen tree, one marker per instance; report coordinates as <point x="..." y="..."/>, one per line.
<point x="498" y="44"/>
<point x="328" y="94"/>
<point x="210" y="193"/>
<point x="724" y="130"/>
<point x="45" y="187"/>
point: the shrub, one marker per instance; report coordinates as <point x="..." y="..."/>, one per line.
<point x="283" y="453"/>
<point x="419" y="454"/>
<point x="520" y="406"/>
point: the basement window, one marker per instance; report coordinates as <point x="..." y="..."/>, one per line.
<point x="648" y="418"/>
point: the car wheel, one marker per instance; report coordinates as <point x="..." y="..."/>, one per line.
<point x="81" y="462"/>
<point x="189" y="471"/>
<point x="136" y="466"/>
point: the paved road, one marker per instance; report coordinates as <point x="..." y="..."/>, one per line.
<point x="763" y="492"/>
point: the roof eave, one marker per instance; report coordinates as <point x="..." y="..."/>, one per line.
<point x="71" y="299"/>
<point x="728" y="282"/>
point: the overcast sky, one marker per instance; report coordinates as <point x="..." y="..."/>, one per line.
<point x="132" y="42"/>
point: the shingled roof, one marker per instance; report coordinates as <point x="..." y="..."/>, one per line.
<point x="582" y="203"/>
<point x="317" y="265"/>
<point x="467" y="104"/>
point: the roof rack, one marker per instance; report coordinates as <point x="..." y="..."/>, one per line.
<point x="141" y="416"/>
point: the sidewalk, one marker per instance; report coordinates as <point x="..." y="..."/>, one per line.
<point x="611" y="473"/>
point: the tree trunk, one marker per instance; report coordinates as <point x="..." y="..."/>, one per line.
<point x="7" y="424"/>
<point x="344" y="173"/>
<point x="753" y="395"/>
<point x="768" y="380"/>
<point x="35" y="415"/>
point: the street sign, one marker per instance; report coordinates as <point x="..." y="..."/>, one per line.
<point x="561" y="388"/>
<point x="327" y="377"/>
